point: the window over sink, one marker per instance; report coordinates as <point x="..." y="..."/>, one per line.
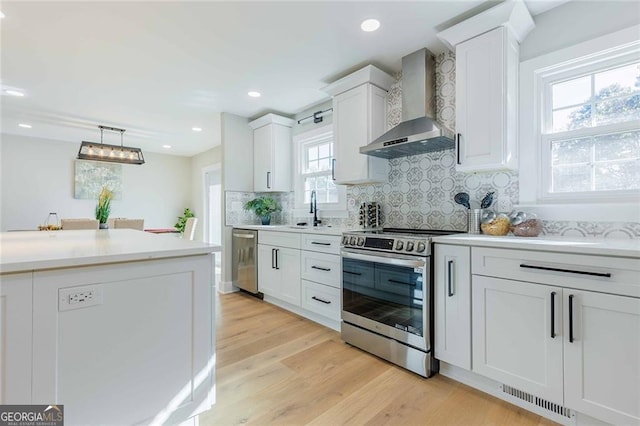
<point x="314" y="152"/>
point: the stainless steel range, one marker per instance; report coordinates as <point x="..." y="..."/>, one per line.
<point x="387" y="295"/>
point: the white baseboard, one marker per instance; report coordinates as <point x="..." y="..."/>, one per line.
<point x="226" y="287"/>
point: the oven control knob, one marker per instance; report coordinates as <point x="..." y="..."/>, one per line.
<point x="409" y="246"/>
<point x="399" y="245"/>
<point x="352" y="241"/>
<point x="421" y="247"/>
<point x="360" y="241"/>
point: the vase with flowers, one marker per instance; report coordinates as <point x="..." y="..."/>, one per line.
<point x="103" y="208"/>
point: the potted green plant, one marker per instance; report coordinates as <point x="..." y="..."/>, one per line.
<point x="182" y="220"/>
<point x="103" y="208"/>
<point x="263" y="207"/>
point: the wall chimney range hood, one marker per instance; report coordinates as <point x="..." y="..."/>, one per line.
<point x="418" y="132"/>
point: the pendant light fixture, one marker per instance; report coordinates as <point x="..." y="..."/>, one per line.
<point x="111" y="153"/>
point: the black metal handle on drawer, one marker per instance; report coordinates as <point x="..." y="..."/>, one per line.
<point x="326" y="302"/>
<point x="352" y="273"/>
<point x="401" y="282"/>
<point x="320" y="268"/>
<point x="571" y="318"/>
<point x="320" y="244"/>
<point x="277" y="251"/>
<point x="569" y="271"/>
<point x="458" y="148"/>
<point x="269" y="180"/>
<point x="553" y="314"/>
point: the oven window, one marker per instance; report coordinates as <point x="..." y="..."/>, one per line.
<point x="387" y="294"/>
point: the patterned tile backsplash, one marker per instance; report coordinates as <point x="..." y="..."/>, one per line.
<point x="420" y="190"/>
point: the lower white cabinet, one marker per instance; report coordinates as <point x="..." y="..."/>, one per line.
<point x="512" y="335"/>
<point x="321" y="299"/>
<point x="539" y="326"/>
<point x="15" y="338"/>
<point x="279" y="272"/>
<point x="453" y="305"/>
<point x="602" y="363"/>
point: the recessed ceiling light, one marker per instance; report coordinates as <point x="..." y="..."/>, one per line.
<point x="26" y="126"/>
<point x="369" y="25"/>
<point x="13" y="93"/>
<point x="166" y="146"/>
<point x="254" y="94"/>
<point x="196" y="129"/>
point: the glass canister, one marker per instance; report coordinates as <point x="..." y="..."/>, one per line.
<point x="52" y="223"/>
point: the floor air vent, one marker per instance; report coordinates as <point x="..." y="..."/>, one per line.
<point x="538" y="402"/>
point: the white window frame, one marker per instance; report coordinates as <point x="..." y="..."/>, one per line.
<point x="535" y="77"/>
<point x="338" y="209"/>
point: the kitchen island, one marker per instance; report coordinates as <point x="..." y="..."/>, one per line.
<point x="116" y="325"/>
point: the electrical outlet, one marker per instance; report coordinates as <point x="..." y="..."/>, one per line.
<point x="503" y="205"/>
<point x="79" y="297"/>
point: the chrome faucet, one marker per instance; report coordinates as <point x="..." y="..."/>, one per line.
<point x="314" y="208"/>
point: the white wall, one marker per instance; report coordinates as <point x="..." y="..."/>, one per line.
<point x="577" y="21"/>
<point x="198" y="163"/>
<point x="37" y="177"/>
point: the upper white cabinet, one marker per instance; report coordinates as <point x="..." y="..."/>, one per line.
<point x="272" y="159"/>
<point x="487" y="57"/>
<point x="486" y="101"/>
<point x="359" y="117"/>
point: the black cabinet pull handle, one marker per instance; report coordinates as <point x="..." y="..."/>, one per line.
<point x="333" y="168"/>
<point x="401" y="282"/>
<point x="450" y="277"/>
<point x="352" y="273"/>
<point x="458" y="147"/>
<point x="571" y="318"/>
<point x="320" y="268"/>
<point x="326" y="302"/>
<point x="273" y="255"/>
<point x="569" y="271"/>
<point x="553" y="314"/>
<point x="277" y="251"/>
<point x="320" y="244"/>
<point x="269" y="180"/>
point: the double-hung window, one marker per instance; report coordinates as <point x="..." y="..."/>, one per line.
<point x="590" y="129"/>
<point x="315" y="171"/>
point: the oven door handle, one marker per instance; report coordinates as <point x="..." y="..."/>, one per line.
<point x="386" y="259"/>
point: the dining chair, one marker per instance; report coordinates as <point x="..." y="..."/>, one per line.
<point x="190" y="228"/>
<point x="137" y="224"/>
<point x="71" y="224"/>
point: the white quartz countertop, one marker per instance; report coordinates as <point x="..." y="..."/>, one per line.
<point x="585" y="245"/>
<point x="35" y="250"/>
<point x="322" y="230"/>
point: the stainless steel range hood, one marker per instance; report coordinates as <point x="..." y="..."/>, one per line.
<point x="419" y="132"/>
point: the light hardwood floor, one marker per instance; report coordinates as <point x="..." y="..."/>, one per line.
<point x="276" y="368"/>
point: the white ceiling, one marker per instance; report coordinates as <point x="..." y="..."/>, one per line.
<point x="160" y="68"/>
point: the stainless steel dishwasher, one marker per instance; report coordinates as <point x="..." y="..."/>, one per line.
<point x="244" y="259"/>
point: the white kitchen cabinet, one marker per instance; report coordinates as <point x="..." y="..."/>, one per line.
<point x="272" y="153"/>
<point x="544" y="324"/>
<point x="602" y="363"/>
<point x="135" y="335"/>
<point x="359" y="117"/>
<point x="15" y="338"/>
<point x="279" y="266"/>
<point x="512" y="335"/>
<point x="486" y="101"/>
<point x="453" y="304"/>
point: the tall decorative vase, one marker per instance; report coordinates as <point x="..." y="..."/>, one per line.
<point x="266" y="219"/>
